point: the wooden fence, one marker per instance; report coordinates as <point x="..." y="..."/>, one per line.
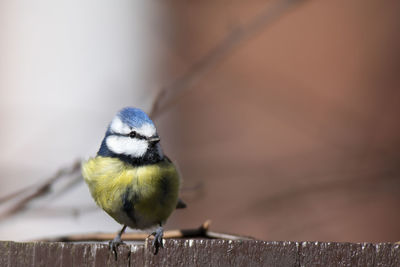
<point x="201" y="252"/>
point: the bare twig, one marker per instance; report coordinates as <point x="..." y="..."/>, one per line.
<point x="37" y="191"/>
<point x="202" y="231"/>
<point x="157" y="101"/>
<point x="15" y="194"/>
<point x="218" y="53"/>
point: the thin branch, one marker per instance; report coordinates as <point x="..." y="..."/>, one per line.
<point x="38" y="191"/>
<point x="201" y="231"/>
<point x="157" y="101"/>
<point x="15" y="194"/>
<point x="218" y="53"/>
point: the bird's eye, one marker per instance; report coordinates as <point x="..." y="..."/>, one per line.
<point x="132" y="134"/>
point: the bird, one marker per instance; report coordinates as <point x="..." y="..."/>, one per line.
<point x="131" y="179"/>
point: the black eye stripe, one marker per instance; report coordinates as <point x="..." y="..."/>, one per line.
<point x="141" y="136"/>
<point x="131" y="135"/>
<point x="134" y="134"/>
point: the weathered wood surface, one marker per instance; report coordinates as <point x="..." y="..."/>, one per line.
<point x="201" y="253"/>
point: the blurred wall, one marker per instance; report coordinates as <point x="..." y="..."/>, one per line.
<point x="66" y="68"/>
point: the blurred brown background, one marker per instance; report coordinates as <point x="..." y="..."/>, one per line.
<point x="291" y="135"/>
<point x="295" y="135"/>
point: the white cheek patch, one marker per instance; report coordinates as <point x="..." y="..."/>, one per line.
<point x="127" y="146"/>
<point x="117" y="126"/>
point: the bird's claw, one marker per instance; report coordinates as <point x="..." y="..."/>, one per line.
<point x="158" y="239"/>
<point x="114" y="244"/>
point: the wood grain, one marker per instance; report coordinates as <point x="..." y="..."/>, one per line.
<point x="201" y="252"/>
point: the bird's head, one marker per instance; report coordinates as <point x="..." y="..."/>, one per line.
<point x="132" y="135"/>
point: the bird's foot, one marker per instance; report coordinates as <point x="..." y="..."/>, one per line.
<point x="158" y="239"/>
<point x="114" y="244"/>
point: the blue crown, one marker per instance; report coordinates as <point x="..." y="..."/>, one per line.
<point x="134" y="117"/>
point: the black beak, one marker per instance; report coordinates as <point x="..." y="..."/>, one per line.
<point x="154" y="139"/>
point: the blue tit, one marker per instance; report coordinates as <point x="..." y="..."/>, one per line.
<point x="130" y="178"/>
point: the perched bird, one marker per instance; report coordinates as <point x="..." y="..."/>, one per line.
<point x="130" y="178"/>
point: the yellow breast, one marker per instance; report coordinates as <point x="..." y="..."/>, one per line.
<point x="137" y="196"/>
